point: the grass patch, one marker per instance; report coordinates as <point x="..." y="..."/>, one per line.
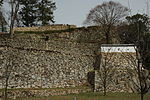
<point x="46" y="32"/>
<point x="59" y="31"/>
<point x="66" y="88"/>
<point x="92" y="96"/>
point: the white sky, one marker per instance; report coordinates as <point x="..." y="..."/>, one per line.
<point x="75" y="11"/>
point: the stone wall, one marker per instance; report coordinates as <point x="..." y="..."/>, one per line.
<point x="120" y="69"/>
<point x="56" y="60"/>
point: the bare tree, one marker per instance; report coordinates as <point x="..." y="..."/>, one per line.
<point x="139" y="75"/>
<point x="3" y="22"/>
<point x="1" y="2"/>
<point x="8" y="57"/>
<point x="106" y="15"/>
<point x="106" y="69"/>
<point x="2" y="18"/>
<point x="143" y="76"/>
<point x="143" y="70"/>
<point x="138" y="27"/>
<point x="7" y="74"/>
<point x="14" y="4"/>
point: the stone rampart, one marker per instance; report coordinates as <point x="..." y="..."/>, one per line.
<point x="120" y="69"/>
<point x="54" y="60"/>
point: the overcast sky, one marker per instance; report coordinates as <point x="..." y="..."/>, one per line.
<point x="75" y="11"/>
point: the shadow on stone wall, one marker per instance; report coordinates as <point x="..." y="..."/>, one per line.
<point x="91" y="79"/>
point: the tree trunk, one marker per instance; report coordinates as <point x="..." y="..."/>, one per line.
<point x="6" y="82"/>
<point x="104" y="90"/>
<point x="14" y="10"/>
<point x="107" y="33"/>
<point x="3" y="26"/>
<point x="105" y="84"/>
<point x="107" y="38"/>
<point x="5" y="91"/>
<point x="105" y="78"/>
<point x="142" y="96"/>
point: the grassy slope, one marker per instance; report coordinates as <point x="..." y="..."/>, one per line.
<point x="92" y="96"/>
